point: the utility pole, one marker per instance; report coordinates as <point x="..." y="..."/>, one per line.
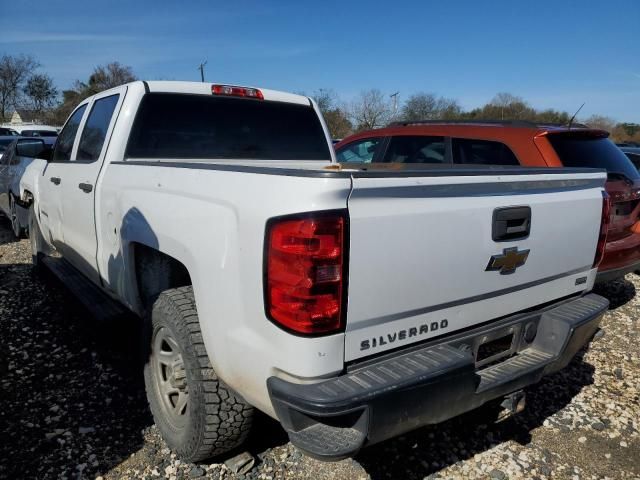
<point x="395" y="101"/>
<point x="201" y="68"/>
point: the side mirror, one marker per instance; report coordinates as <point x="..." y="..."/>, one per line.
<point x="46" y="154"/>
<point x="30" y="148"/>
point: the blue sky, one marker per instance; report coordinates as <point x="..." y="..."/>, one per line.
<point x="555" y="54"/>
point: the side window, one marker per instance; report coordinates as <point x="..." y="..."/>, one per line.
<point x="416" y="149"/>
<point x="95" y="128"/>
<point x="64" y="143"/>
<point x="482" y="152"/>
<point x="361" y="151"/>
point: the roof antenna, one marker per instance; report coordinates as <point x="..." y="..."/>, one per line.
<point x="574" y="116"/>
<point x="201" y="68"/>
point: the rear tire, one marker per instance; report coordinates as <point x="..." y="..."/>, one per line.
<point x="197" y="415"/>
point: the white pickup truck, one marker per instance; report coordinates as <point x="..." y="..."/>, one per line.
<point x="351" y="302"/>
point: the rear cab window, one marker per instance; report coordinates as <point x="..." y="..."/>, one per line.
<point x="184" y="126"/>
<point x="584" y="149"/>
<point x="482" y="152"/>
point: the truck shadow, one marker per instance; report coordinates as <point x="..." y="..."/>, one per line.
<point x="618" y="292"/>
<point x="426" y="451"/>
<point x="6" y="235"/>
<point x="77" y="404"/>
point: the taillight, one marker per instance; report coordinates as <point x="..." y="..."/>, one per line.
<point x="604" y="228"/>
<point x="234" y="91"/>
<point x="304" y="273"/>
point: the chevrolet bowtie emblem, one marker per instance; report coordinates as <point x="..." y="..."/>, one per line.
<point x="508" y="261"/>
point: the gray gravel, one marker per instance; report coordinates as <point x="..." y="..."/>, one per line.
<point x="74" y="407"/>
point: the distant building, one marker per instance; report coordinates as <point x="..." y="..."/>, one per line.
<point x="21" y="116"/>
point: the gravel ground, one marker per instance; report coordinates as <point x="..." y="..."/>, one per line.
<point x="74" y="407"/>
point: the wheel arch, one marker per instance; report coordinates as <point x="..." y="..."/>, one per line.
<point x="154" y="272"/>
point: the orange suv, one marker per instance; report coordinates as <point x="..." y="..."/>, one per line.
<point x="517" y="143"/>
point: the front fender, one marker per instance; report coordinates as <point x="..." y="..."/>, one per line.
<point x="27" y="184"/>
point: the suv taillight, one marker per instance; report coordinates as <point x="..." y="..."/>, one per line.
<point x="304" y="273"/>
<point x="604" y="228"/>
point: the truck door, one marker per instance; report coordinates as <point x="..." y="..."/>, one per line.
<point x="51" y="185"/>
<point x="80" y="176"/>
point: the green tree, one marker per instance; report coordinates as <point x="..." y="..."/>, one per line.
<point x="40" y="92"/>
<point x="505" y="106"/>
<point x="553" y="116"/>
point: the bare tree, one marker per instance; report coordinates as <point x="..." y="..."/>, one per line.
<point x="370" y="110"/>
<point x="326" y="98"/>
<point x="40" y="92"/>
<point x="420" y="106"/>
<point x="449" y="108"/>
<point x="334" y="114"/>
<point x="14" y="71"/>
<point x="427" y="106"/>
<point x="102" y="78"/>
<point x="601" y="122"/>
<point x="108" y="76"/>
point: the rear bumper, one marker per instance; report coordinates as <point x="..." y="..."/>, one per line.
<point x="615" y="273"/>
<point x="621" y="256"/>
<point x="398" y="392"/>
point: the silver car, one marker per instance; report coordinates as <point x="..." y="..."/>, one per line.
<point x="15" y="158"/>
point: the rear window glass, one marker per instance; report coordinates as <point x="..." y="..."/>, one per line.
<point x="361" y="151"/>
<point x="39" y="133"/>
<point x="4" y="142"/>
<point x="416" y="149"/>
<point x="635" y="158"/>
<point x="95" y="128"/>
<point x="593" y="152"/>
<point x="482" y="152"/>
<point x="196" y="126"/>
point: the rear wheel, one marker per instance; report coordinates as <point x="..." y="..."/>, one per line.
<point x="197" y="415"/>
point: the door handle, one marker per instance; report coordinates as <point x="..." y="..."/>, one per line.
<point x="85" y="187"/>
<point x="511" y="223"/>
<point x="55" y="180"/>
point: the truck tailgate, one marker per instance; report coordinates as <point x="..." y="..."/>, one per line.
<point x="423" y="261"/>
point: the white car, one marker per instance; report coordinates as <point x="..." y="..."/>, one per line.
<point x="35" y="130"/>
<point x="351" y="303"/>
<point x="14" y="160"/>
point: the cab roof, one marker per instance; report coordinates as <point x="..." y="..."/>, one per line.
<point x="204" y="88"/>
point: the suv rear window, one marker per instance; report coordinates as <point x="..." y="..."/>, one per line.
<point x="580" y="150"/>
<point x="173" y="125"/>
